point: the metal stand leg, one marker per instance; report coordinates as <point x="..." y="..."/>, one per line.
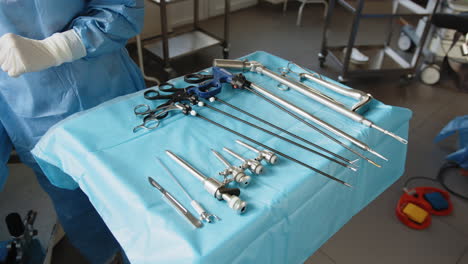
<point x="299" y="14"/>
<point x="352" y="39"/>
<point x="285" y="6"/>
<point x="325" y="9"/>
<point x="227" y="14"/>
<point x="141" y="62"/>
<point x="165" y="39"/>
<point x="324" y="50"/>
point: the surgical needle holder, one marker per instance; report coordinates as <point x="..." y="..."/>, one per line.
<point x="257" y="67"/>
<point x="213" y="186"/>
<point x="205" y="216"/>
<point x="176" y="204"/>
<point x="237" y="172"/>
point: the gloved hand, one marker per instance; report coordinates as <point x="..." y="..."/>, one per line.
<point x="19" y="55"/>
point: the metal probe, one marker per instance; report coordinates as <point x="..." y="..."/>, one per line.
<point x="237" y="172"/>
<point x="266" y="155"/>
<point x="253" y="165"/>
<point x="207" y="217"/>
<point x="282" y="130"/>
<point x="176" y="204"/>
<point x="212" y="186"/>
<point x="195" y="114"/>
<point x="278" y="136"/>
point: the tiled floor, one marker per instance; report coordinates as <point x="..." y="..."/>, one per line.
<point x="374" y="235"/>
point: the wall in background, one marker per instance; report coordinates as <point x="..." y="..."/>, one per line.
<point x="182" y="13"/>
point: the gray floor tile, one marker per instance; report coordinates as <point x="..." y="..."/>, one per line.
<point x="21" y="194"/>
<point x="376" y="236"/>
<point x="319" y="257"/>
<point x="463" y="258"/>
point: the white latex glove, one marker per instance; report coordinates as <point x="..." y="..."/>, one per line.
<point x="19" y="55"/>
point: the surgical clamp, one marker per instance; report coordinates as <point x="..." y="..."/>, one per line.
<point x="176" y="204"/>
<point x="205" y="216"/>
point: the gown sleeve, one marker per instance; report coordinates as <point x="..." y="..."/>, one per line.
<point x="5" y="150"/>
<point x="106" y="25"/>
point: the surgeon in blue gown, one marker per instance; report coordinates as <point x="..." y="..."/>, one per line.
<point x="59" y="57"/>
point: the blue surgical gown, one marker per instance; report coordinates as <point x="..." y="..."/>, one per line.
<point x="32" y="103"/>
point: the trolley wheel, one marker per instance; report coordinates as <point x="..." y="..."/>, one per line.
<point x="342" y="80"/>
<point x="430" y="74"/>
<point x="321" y="59"/>
<point x="171" y="73"/>
<point x="225" y="53"/>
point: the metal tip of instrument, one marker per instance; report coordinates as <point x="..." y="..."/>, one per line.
<point x="347" y="185"/>
<point x="352" y="168"/>
<point x="354" y="161"/>
<point x="377" y="154"/>
<point x="386" y="132"/>
<point x="373" y="163"/>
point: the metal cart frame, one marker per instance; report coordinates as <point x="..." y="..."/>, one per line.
<point x="385" y="59"/>
<point x="171" y="46"/>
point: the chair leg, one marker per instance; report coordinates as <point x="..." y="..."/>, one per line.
<point x="299" y="14"/>
<point x="285" y="6"/>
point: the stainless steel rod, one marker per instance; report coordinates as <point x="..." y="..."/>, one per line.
<point x="300" y="87"/>
<point x="281" y="137"/>
<point x="314" y="119"/>
<point x="304" y="89"/>
<point x="310" y="125"/>
<point x="221" y="158"/>
<point x="271" y="149"/>
<point x="187" y="166"/>
<point x="362" y="97"/>
<point x="174" y="178"/>
<point x="284" y="130"/>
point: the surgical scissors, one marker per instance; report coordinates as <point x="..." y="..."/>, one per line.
<point x="153" y="119"/>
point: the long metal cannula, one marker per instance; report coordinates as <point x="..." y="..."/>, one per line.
<point x="195" y="114"/>
<point x="213" y="186"/>
<point x="237" y="173"/>
<point x="280" y="137"/>
<point x="204" y="215"/>
<point x="282" y="130"/>
<point x="300" y="87"/>
<point x="306" y="115"/>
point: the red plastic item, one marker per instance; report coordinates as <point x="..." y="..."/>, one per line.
<point x="418" y="199"/>
<point x="464" y="172"/>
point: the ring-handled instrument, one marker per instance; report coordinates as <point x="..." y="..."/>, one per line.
<point x="257" y="67"/>
<point x="176" y="204"/>
<point x="153" y="118"/>
<point x="204" y="215"/>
